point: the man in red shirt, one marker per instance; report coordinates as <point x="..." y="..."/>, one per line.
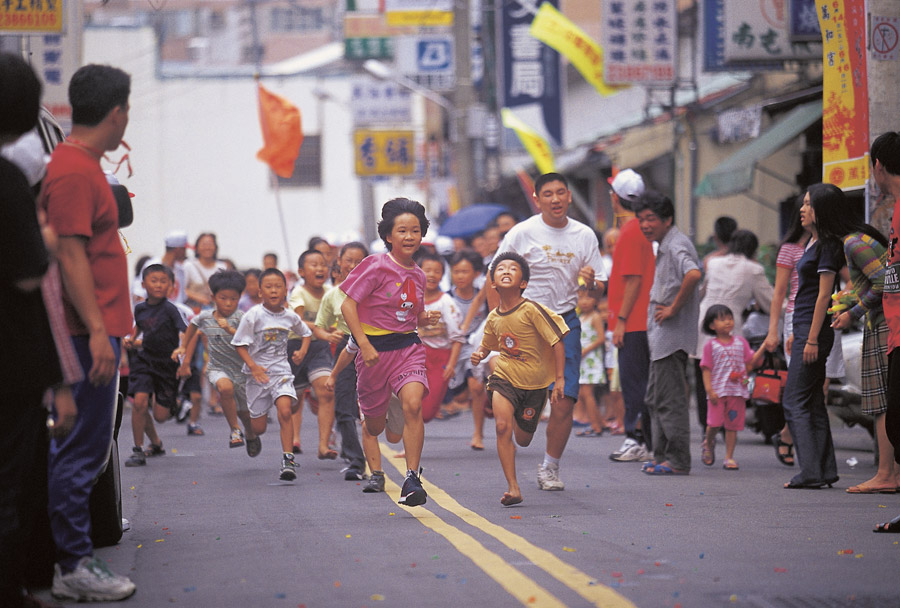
<point x="81" y="208"/>
<point x="629" y="296"/>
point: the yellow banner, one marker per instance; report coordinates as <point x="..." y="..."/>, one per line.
<point x="31" y="15"/>
<point x="556" y="31"/>
<point x="845" y="111"/>
<point x="426" y="18"/>
<point x="534" y="144"/>
<point x="384" y="152"/>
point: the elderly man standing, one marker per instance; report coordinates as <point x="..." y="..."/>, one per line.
<point x="81" y="208"/>
<point x="563" y="255"/>
<point x="672" y="318"/>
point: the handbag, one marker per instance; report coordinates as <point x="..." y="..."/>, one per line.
<point x="769" y="384"/>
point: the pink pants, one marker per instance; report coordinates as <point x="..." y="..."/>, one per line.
<point x="435" y="364"/>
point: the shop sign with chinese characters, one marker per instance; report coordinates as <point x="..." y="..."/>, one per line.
<point x="845" y="111"/>
<point x="384" y="152"/>
<point x="639" y="39"/>
<point x="759" y="31"/>
<point x="380" y="102"/>
<point x="31" y="15"/>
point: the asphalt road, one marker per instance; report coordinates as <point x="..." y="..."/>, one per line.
<point x="212" y="527"/>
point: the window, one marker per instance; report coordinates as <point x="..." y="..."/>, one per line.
<point x="308" y="166"/>
<point x="297" y="19"/>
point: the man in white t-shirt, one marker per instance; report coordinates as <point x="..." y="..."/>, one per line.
<point x="563" y="256"/>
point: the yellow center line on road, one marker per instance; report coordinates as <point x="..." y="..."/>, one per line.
<point x="575" y="579"/>
<point x="514" y="582"/>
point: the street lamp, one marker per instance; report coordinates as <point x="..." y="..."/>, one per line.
<point x="384" y="72"/>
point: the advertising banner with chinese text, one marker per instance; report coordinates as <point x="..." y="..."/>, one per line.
<point x="531" y="69"/>
<point x="845" y="111"/>
<point x="639" y="41"/>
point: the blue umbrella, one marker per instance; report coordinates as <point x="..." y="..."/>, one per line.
<point x="469" y="220"/>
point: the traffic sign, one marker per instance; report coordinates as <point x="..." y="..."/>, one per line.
<point x="885" y="37"/>
<point x="429" y="60"/>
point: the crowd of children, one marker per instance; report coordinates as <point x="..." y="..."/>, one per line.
<point x="362" y="337"/>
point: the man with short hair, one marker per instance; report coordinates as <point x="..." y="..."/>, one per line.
<point x="561" y="254"/>
<point x="81" y="208"/>
<point x="672" y="317"/>
<point x="885" y="157"/>
<point x="629" y="295"/>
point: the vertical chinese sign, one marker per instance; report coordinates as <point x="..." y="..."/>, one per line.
<point x="531" y="69"/>
<point x="845" y="115"/>
<point x="639" y="41"/>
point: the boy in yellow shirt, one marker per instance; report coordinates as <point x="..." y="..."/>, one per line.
<point x="532" y="360"/>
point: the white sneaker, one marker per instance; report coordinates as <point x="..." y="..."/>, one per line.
<point x="628" y="444"/>
<point x="91" y="581"/>
<point x="635" y="453"/>
<point x="548" y="479"/>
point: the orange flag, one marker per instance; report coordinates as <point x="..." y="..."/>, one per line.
<point x="282" y="135"/>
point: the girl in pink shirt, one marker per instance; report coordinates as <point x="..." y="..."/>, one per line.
<point x="384" y="305"/>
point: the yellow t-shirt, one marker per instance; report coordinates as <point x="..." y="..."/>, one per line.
<point x="330" y="311"/>
<point x="525" y="336"/>
<point x="301" y="297"/>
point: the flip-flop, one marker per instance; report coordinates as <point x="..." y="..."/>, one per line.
<point x="730" y="464"/>
<point x="647" y="466"/>
<point x="891" y="527"/>
<point x="708" y="452"/>
<point x="861" y="489"/>
<point x="588" y="432"/>
<point x="663" y="469"/>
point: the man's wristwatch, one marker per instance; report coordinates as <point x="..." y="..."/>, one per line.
<point x="621" y="318"/>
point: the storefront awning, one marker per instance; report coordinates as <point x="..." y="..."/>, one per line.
<point x="735" y="174"/>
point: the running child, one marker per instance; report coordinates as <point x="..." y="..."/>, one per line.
<point x="316" y="365"/>
<point x="346" y="408"/>
<point x="261" y="342"/>
<point x="725" y="363"/>
<point x="153" y="373"/>
<point x="532" y="356"/>
<point x="443" y="341"/>
<point x="223" y="370"/>
<point x="250" y="297"/>
<point x="384" y="305"/>
<point x="467" y="276"/>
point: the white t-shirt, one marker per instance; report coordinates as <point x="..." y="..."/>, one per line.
<point x="554" y="256"/>
<point x="265" y="334"/>
<point x="447" y="331"/>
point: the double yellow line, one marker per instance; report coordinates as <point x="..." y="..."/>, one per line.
<point x="512" y="580"/>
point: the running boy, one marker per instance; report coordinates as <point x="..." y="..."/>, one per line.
<point x="316" y="365"/>
<point x="153" y="373"/>
<point x="532" y="356"/>
<point x="224" y="366"/>
<point x="384" y="305"/>
<point x="261" y="342"/>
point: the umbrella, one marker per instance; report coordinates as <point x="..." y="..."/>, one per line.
<point x="469" y="220"/>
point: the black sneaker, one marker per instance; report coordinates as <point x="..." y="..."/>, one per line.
<point x="353" y="474"/>
<point x="154" y="450"/>
<point x="412" y="494"/>
<point x="287" y="468"/>
<point x="254" y="447"/>
<point x="137" y="458"/>
<point x="376" y="483"/>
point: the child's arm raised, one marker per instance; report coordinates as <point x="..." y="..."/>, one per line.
<point x="259" y="374"/>
<point x="426" y="317"/>
<point x="559" y="386"/>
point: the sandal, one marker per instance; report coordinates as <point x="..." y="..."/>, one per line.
<point x="730" y="464"/>
<point x="154" y="450"/>
<point x="708" y="452"/>
<point x="588" y="432"/>
<point x="663" y="469"/>
<point x="891" y="527"/>
<point x="785" y="458"/>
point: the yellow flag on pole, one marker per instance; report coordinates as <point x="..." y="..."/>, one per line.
<point x="556" y="31"/>
<point x="534" y="144"/>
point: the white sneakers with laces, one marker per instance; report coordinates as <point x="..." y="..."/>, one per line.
<point x="91" y="581"/>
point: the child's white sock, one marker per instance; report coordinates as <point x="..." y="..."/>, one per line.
<point x="550" y="462"/>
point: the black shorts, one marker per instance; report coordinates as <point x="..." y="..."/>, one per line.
<point x="317" y="363"/>
<point x="163" y="386"/>
<point x="527" y="404"/>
